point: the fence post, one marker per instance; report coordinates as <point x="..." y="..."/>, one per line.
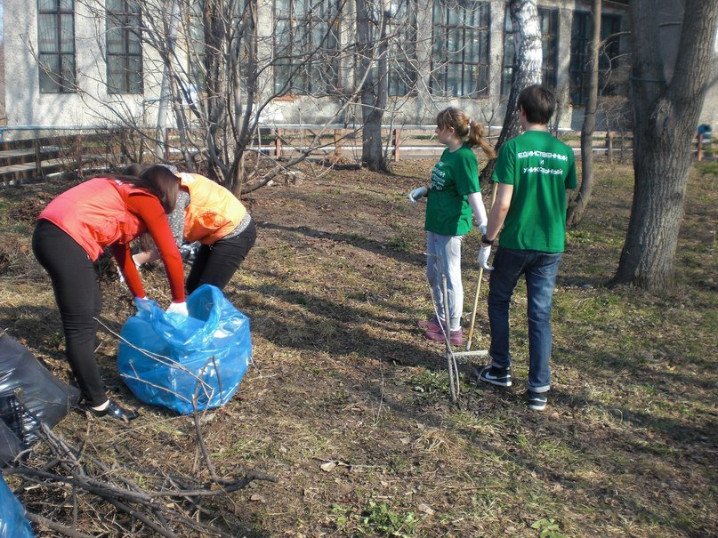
<point x="395" y="143"/>
<point x="166" y="141"/>
<point x="38" y="155"/>
<point x="699" y="141"/>
<point x="609" y="146"/>
<point x="337" y="142"/>
<point x="277" y="143"/>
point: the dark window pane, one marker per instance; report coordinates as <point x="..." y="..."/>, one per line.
<point x="56" y="46"/>
<point x="464" y="28"/>
<point x="304" y="28"/>
<point x="47" y="5"/>
<point x="48" y="32"/>
<point x="49" y="68"/>
<point x="67" y="33"/>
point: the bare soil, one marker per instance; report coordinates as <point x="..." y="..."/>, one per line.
<point x="348" y="405"/>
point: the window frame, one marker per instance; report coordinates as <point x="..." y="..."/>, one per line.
<point x="578" y="65"/>
<point x="124" y="19"/>
<point x="440" y="70"/>
<point x="402" y="74"/>
<point x="57" y="81"/>
<point x="303" y="82"/>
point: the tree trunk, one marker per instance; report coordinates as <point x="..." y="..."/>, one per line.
<point x="215" y="85"/>
<point x="527" y="68"/>
<point x="580" y="202"/>
<point x="245" y="126"/>
<point x="166" y="94"/>
<point x="666" y="111"/>
<point x="374" y="89"/>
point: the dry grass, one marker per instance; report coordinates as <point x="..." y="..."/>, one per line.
<point x="333" y="287"/>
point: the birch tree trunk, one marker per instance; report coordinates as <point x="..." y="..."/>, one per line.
<point x="527" y="68"/>
<point x="580" y="202"/>
<point x="666" y="107"/>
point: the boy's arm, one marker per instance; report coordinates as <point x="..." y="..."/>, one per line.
<point x="499" y="210"/>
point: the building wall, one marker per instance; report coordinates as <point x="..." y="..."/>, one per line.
<point x="26" y="106"/>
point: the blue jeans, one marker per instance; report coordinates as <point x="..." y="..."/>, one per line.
<point x="540" y="269"/>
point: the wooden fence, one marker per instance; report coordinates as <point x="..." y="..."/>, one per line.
<point x="101" y="149"/>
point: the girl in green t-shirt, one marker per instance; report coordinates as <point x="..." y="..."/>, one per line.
<point x="453" y="195"/>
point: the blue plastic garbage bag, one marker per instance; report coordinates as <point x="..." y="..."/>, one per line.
<point x="13" y="523"/>
<point x="186" y="363"/>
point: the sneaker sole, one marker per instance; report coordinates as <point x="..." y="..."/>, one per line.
<point x="537" y="407"/>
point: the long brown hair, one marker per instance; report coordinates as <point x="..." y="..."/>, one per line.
<point x="472" y="133"/>
<point x="161" y="182"/>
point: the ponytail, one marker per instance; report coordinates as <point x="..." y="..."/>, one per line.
<point x="471" y="132"/>
<point x="477" y="134"/>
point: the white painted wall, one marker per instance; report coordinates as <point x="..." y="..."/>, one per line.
<point x="25" y="105"/>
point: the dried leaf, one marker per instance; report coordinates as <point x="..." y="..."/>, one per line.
<point x="328" y="466"/>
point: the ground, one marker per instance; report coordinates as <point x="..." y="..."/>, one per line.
<point x="348" y="406"/>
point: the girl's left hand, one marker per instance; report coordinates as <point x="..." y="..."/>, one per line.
<point x="416" y="194"/>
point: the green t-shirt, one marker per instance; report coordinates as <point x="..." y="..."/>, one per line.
<point x="540" y="168"/>
<point x="454" y="177"/>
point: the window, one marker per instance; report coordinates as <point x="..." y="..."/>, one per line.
<point x="402" y="47"/>
<point x="56" y="45"/>
<point x="581" y="35"/>
<point x="460" y="50"/>
<point x="306" y="46"/>
<point x="124" y="49"/>
<point x="201" y="39"/>
<point x="548" y="21"/>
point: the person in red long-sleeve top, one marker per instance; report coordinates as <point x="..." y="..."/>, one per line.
<point x="71" y="234"/>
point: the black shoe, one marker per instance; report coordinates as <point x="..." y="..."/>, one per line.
<point x="537" y="400"/>
<point x="496" y="376"/>
<point x="115" y="410"/>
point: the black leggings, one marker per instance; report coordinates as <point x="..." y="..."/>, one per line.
<point x="215" y="264"/>
<point x="77" y="293"/>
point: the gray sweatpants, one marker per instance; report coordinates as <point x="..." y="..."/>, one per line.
<point x="443" y="257"/>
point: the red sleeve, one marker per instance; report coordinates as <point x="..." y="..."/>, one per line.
<point x="124" y="259"/>
<point x="150" y="211"/>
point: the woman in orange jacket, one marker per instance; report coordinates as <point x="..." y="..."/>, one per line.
<point x="71" y="234"/>
<point x="209" y="213"/>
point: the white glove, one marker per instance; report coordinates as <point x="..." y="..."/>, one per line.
<point x="417" y="193"/>
<point x="178" y="308"/>
<point x="482" y="228"/>
<point x="484" y="253"/>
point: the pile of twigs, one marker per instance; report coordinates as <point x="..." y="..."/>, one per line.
<point x="171" y="507"/>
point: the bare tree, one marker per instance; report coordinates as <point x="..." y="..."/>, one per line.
<point x="667" y="98"/>
<point x="373" y="66"/>
<point x="580" y="202"/>
<point x="527" y="67"/>
<point x="219" y="74"/>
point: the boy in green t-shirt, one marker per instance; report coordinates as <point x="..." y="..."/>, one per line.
<point x="533" y="172"/>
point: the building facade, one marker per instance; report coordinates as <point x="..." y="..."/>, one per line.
<point x="71" y="63"/>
